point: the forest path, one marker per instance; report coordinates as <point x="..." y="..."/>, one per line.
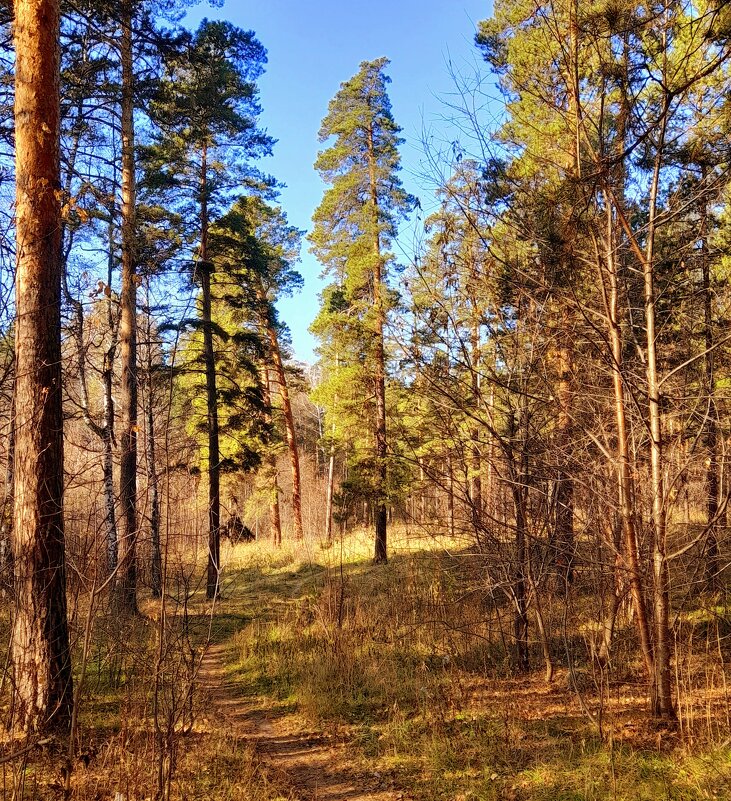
<point x="304" y="764"/>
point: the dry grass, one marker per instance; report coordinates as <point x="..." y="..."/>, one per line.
<point x="410" y="660"/>
<point x="411" y="664"/>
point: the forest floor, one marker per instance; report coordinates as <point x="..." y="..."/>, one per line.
<point x="304" y="763"/>
<point x="318" y="676"/>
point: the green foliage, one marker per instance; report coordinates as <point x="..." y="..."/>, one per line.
<point x="354" y="227"/>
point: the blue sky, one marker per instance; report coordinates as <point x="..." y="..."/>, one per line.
<point x="315" y="45"/>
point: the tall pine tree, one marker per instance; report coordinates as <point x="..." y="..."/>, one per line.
<point x="355" y="225"/>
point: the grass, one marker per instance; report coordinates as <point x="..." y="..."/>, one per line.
<point x="408" y="661"/>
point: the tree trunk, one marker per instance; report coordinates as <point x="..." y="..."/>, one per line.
<point x="110" y="517"/>
<point x="205" y="269"/>
<point x="563" y="539"/>
<point x="40" y="652"/>
<point x="662" y="684"/>
<point x="291" y="435"/>
<point x="563" y="534"/>
<point x="329" y="497"/>
<point x="6" y="515"/>
<point x="475" y="488"/>
<point x="152" y="478"/>
<point x="710" y="436"/>
<point x="450" y="497"/>
<point x="624" y="468"/>
<point x="126" y="585"/>
<point x="275" y="520"/>
<point x="379" y="371"/>
<point x="518" y="466"/>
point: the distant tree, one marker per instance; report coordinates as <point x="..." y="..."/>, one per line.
<point x="354" y="226"/>
<point x="256" y="247"/>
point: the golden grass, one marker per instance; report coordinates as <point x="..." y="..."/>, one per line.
<point x="407" y="660"/>
<point x="409" y="663"/>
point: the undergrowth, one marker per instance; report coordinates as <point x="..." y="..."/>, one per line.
<point x="410" y="661"/>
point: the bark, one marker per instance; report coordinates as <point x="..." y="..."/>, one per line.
<point x="126" y="585"/>
<point x="662" y="684"/>
<point x="6" y="514"/>
<point x="379" y="368"/>
<point x="450" y="497"/>
<point x="625" y="483"/>
<point x="110" y="517"/>
<point x="152" y="477"/>
<point x="518" y="466"/>
<point x="40" y="652"/>
<point x="278" y="364"/>
<point x="563" y="543"/>
<point x="563" y="535"/>
<point x="618" y="591"/>
<point x="205" y="269"/>
<point x="275" y="521"/>
<point x="475" y="488"/>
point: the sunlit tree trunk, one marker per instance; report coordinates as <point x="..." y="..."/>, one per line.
<point x="40" y="653"/>
<point x="379" y="367"/>
<point x="662" y="685"/>
<point x="710" y="434"/>
<point x="151" y="461"/>
<point x="610" y="283"/>
<point x="291" y="434"/>
<point x="126" y="585"/>
<point x="329" y="498"/>
<point x="275" y="520"/>
<point x="108" y="443"/>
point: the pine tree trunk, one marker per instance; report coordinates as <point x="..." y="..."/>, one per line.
<point x="475" y="488"/>
<point x="564" y="530"/>
<point x="275" y="520"/>
<point x="40" y="652"/>
<point x="450" y="497"/>
<point x="624" y="468"/>
<point x="662" y="684"/>
<point x="564" y="545"/>
<point x="152" y="478"/>
<point x="379" y="368"/>
<point x="329" y="497"/>
<point x="126" y="586"/>
<point x="205" y="269"/>
<point x="518" y="465"/>
<point x="110" y="517"/>
<point x="276" y="355"/>
<point x="6" y="515"/>
<point x="710" y="437"/>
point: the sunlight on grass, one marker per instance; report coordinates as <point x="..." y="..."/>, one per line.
<point x="365" y="648"/>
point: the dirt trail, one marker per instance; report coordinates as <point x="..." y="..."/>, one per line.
<point x="311" y="766"/>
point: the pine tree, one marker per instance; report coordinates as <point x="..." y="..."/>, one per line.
<point x="355" y="225"/>
<point x="255" y="246"/>
<point x="210" y="105"/>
